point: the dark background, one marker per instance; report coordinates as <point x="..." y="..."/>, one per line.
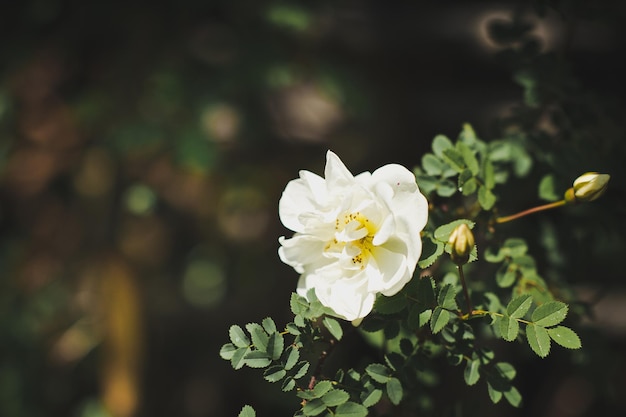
<point x="144" y="146"/>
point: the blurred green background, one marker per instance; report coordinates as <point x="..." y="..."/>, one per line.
<point x="144" y="146"/>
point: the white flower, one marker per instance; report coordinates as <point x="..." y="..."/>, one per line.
<point x="355" y="236"/>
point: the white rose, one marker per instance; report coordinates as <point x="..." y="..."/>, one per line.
<point x="354" y="237"/>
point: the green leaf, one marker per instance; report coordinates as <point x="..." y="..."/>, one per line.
<point x="469" y="187"/>
<point x="486" y="198"/>
<point x="494" y="394"/>
<point x="549" y="314"/>
<point x="350" y="409"/>
<point x="439" y="319"/>
<point x="301" y="369"/>
<point x="275" y="345"/>
<point x="454" y="158"/>
<point x="299" y="305"/>
<point x="418" y="316"/>
<point x="238" y="358"/>
<point x="390" y="305"/>
<point x="426" y="292"/>
<point x="274" y="373"/>
<point x="538" y="340"/>
<point x="514" y="247"/>
<point x="513" y="396"/>
<point x="469" y="158"/>
<point x="293" y="329"/>
<point x="378" y="372"/>
<point x="471" y="373"/>
<point x="288" y="384"/>
<point x="489" y="177"/>
<point x="334" y="327"/>
<point x="432" y="165"/>
<point x="269" y="325"/>
<point x="321" y="388"/>
<point x="257" y="359"/>
<point x="434" y="253"/>
<point x="446" y="188"/>
<point x="227" y="351"/>
<point x="464" y="177"/>
<point x="446" y="297"/>
<point x="505" y="370"/>
<point x="509" y="328"/>
<point x="440" y="144"/>
<point x="519" y="306"/>
<point x="292" y="355"/>
<point x="258" y="335"/>
<point x="314" y="407"/>
<point x="372" y="397"/>
<point x="238" y="337"/>
<point x="442" y="233"/>
<point x="506" y="275"/>
<point x="547" y="189"/>
<point x="394" y="390"/>
<point x="247" y="411"/>
<point x="335" y="397"/>
<point x="565" y="337"/>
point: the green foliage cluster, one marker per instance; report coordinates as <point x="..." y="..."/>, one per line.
<point x="433" y="317"/>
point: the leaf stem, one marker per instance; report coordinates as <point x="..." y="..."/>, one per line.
<point x="465" y="291"/>
<point x="531" y="211"/>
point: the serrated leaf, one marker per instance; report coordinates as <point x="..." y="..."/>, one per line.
<point x="268" y="325"/>
<point x="435" y="253"/>
<point x="350" y="409"/>
<point x="486" y="198"/>
<point x="238" y="358"/>
<point x="299" y="305"/>
<point x="446" y="297"/>
<point x="247" y="411"/>
<point x="293" y="329"/>
<point x="394" y="390"/>
<point x="335" y="397"/>
<point x="302" y="368"/>
<point x="378" y="372"/>
<point x="321" y="388"/>
<point x="390" y="305"/>
<point x="288" y="384"/>
<point x="258" y="336"/>
<point x="238" y="336"/>
<point x="227" y="351"/>
<point x="549" y="314"/>
<point x="509" y="328"/>
<point x="292" y="355"/>
<point x="370" y="398"/>
<point x="314" y="407"/>
<point x="275" y="345"/>
<point x="418" y="317"/>
<point x="471" y="373"/>
<point x="538" y="339"/>
<point x="274" y="373"/>
<point x="432" y="165"/>
<point x="453" y="158"/>
<point x="519" y="306"/>
<point x="505" y="370"/>
<point x="257" y="359"/>
<point x="439" y="319"/>
<point x="565" y="337"/>
<point x="440" y="144"/>
<point x="469" y="187"/>
<point x="443" y="232"/>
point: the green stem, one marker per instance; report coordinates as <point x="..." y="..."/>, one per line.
<point x="465" y="292"/>
<point x="531" y="211"/>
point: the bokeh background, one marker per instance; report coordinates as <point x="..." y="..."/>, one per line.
<point x="144" y="147"/>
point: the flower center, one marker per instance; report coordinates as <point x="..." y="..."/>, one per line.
<point x="354" y="234"/>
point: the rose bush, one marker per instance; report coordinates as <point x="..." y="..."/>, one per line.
<point x="355" y="236"/>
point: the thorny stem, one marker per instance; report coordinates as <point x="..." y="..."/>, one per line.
<point x="465" y="292"/>
<point x="531" y="211"/>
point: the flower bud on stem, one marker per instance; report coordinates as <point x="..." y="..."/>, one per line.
<point x="461" y="244"/>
